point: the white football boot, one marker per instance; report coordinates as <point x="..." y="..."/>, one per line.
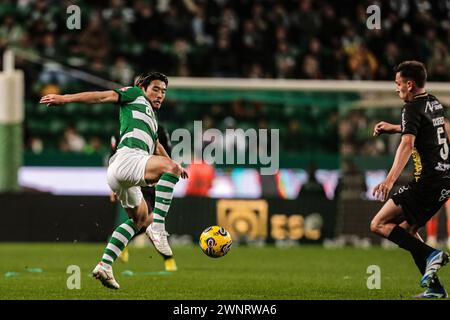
<point x="105" y="275"/>
<point x="159" y="240"/>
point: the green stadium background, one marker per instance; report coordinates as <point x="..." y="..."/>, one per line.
<point x="324" y="118"/>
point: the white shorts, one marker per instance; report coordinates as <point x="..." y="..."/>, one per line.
<point x="125" y="175"/>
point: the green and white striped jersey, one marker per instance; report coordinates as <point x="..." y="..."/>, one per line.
<point x="138" y="123"/>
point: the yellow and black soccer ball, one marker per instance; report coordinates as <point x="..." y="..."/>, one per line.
<point x="215" y="241"/>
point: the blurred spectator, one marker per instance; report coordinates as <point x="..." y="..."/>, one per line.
<point x="117" y="8"/>
<point x="94" y="41"/>
<point x="200" y="28"/>
<point x="293" y="141"/>
<point x="330" y="28"/>
<point x="147" y="24"/>
<point x="176" y="24"/>
<point x="351" y="184"/>
<point x="252" y="42"/>
<point x="48" y="46"/>
<point x="41" y="18"/>
<point x="156" y="57"/>
<point x="230" y="20"/>
<point x="389" y="59"/>
<point x="10" y="32"/>
<point x="122" y="72"/>
<point x="285" y="61"/>
<point x="72" y="141"/>
<point x="255" y="71"/>
<point x="201" y="176"/>
<point x="224" y="63"/>
<point x="305" y="21"/>
<point x="351" y="41"/>
<point x="279" y="16"/>
<point x="362" y="63"/>
<point x="439" y="63"/>
<point x="310" y="68"/>
<point x="119" y="36"/>
<point x="312" y="188"/>
<point x="99" y="67"/>
<point x="35" y="144"/>
<point x="180" y="52"/>
<point x="51" y="72"/>
<point x="356" y="133"/>
<point x="95" y="145"/>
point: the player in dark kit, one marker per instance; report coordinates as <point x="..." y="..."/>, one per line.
<point x="423" y="137"/>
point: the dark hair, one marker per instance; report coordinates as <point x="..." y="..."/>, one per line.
<point x="413" y="70"/>
<point x="145" y="79"/>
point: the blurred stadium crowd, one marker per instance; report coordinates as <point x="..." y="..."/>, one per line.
<point x="356" y="128"/>
<point x="298" y="39"/>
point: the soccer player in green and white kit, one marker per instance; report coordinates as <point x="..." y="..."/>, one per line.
<point x="140" y="160"/>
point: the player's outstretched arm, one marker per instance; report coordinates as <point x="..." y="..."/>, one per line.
<point x="386" y="127"/>
<point x="109" y="96"/>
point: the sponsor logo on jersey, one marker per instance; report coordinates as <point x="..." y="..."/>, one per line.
<point x="442" y="166"/>
<point x="402" y="189"/>
<point x="433" y="106"/>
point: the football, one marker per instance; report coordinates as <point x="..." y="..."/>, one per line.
<point x="215" y="241"/>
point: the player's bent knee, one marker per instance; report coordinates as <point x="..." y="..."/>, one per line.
<point x="375" y="226"/>
<point x="173" y="167"/>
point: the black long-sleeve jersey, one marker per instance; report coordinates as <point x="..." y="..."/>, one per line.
<point x="424" y="118"/>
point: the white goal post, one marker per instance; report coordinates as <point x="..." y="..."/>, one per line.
<point x="11" y="119"/>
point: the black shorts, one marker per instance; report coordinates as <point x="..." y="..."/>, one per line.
<point x="421" y="200"/>
<point x="149" y="196"/>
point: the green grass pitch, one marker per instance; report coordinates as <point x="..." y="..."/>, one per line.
<point x="38" y="271"/>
